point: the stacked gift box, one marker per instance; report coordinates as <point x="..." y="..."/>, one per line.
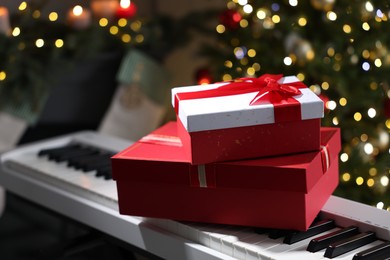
<point x="249" y="152"/>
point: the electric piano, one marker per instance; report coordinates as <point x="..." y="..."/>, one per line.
<point x="61" y="174"/>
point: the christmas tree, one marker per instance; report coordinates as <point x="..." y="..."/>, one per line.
<point x="340" y="50"/>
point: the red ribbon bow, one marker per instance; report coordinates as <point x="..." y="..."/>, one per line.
<point x="269" y="90"/>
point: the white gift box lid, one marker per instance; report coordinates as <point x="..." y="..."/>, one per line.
<point x="230" y="111"/>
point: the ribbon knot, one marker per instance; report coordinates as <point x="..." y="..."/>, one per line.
<point x="271" y="90"/>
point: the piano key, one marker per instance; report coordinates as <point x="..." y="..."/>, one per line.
<point x="58" y="150"/>
<point x="302" y="254"/>
<point x="381" y="251"/>
<point x="275" y="251"/>
<point x="322" y="242"/>
<point x="278" y="233"/>
<point x="72" y="154"/>
<point x="102" y="164"/>
<point x="314" y="229"/>
<point x="105" y="171"/>
<point x="67" y="178"/>
<point x="83" y="161"/>
<point x="349" y="244"/>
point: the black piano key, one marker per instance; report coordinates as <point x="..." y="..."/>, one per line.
<point x="57" y="150"/>
<point x="95" y="165"/>
<point x="314" y="229"/>
<point x="83" y="161"/>
<point x="262" y="230"/>
<point x="278" y="233"/>
<point x="348" y="244"/>
<point x="324" y="241"/>
<point x="72" y="154"/>
<point x="381" y="251"/>
<point x="104" y="171"/>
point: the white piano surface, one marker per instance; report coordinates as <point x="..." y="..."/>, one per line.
<point x="94" y="204"/>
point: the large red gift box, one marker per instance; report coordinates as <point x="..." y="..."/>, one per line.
<point x="248" y="118"/>
<point x="156" y="179"/>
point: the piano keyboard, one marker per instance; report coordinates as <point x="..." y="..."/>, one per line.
<point x="71" y="175"/>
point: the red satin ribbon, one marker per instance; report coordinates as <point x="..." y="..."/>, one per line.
<point x="269" y="90"/>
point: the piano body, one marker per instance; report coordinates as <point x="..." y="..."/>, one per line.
<point x="91" y="200"/>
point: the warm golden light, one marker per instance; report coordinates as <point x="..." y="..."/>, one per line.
<point x="22" y="6"/>
<point x="359" y="181"/>
<point x="126" y="38"/>
<point x="125" y="3"/>
<point x="16" y="31"/>
<point x="39" y="43"/>
<point x="220" y="28"/>
<point x="103" y="22"/>
<point x="3" y="75"/>
<point x="59" y="43"/>
<point x="346" y="177"/>
<point x="77" y="10"/>
<point x="302" y="21"/>
<point x="53" y="16"/>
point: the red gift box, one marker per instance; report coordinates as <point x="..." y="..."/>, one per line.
<point x="252" y="117"/>
<point x="156" y="179"/>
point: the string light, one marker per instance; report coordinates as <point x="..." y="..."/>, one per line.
<point x="346" y="177"/>
<point x="16" y="31"/>
<point x="371" y="112"/>
<point x="139" y="38"/>
<point x="293" y="2"/>
<point x="287" y="61"/>
<point x="22" y="6"/>
<point x="325" y="85"/>
<point x="103" y="22"/>
<point x="77" y="10"/>
<point x="126" y="38"/>
<point x="332" y="16"/>
<point x="36" y="14"/>
<point x="384" y="180"/>
<point x="380" y="205"/>
<point x="343" y="102"/>
<point x="59" y="43"/>
<point x="136" y="26"/>
<point x="378" y="63"/>
<point x="228" y="64"/>
<point x="370" y="182"/>
<point x="261" y="14"/>
<point x="344" y="157"/>
<point x="368" y="148"/>
<point x="247" y="9"/>
<point x="114" y="30"/>
<point x="366" y="26"/>
<point x="122" y="22"/>
<point x="366" y="66"/>
<point x="359" y="181"/>
<point x="347" y="29"/>
<point x="53" y="16"/>
<point x="372" y="171"/>
<point x="39" y="43"/>
<point x="3" y="75"/>
<point x="331" y="105"/>
<point x="302" y="21"/>
<point x="244" y="23"/>
<point x="369" y="7"/>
